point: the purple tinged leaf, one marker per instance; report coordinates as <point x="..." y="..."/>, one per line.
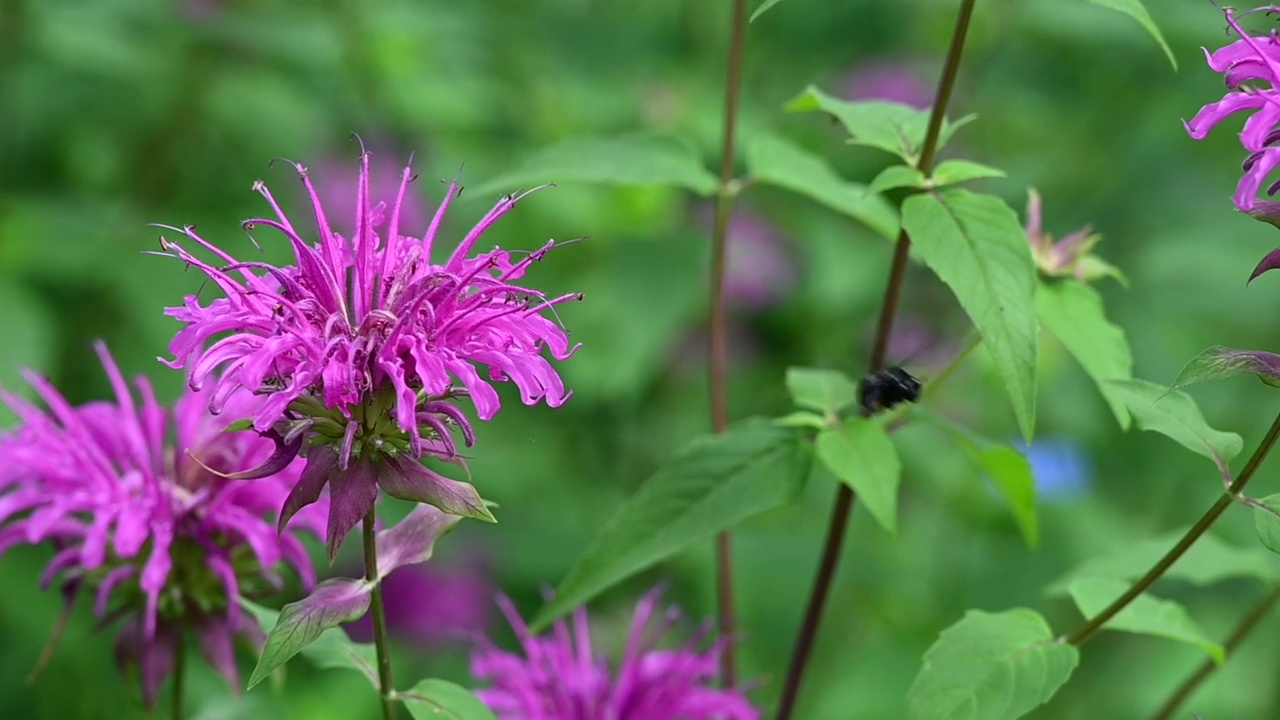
<point x="405" y="478"/>
<point x="322" y="460"/>
<point x="285" y="452"/>
<point x="1270" y="262"/>
<point x="351" y="496"/>
<point x="413" y="539"/>
<point x="1219" y="363"/>
<point x="332" y="603"/>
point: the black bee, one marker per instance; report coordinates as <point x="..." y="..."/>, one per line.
<point x="887" y="388"/>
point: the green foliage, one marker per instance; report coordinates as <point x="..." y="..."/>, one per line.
<point x="897" y="176"/>
<point x="762" y="8"/>
<point x="1146" y="615"/>
<point x="951" y="172"/>
<point x="1174" y="414"/>
<point x="330" y="649"/>
<point x="718" y="482"/>
<point x="1219" y="363"/>
<point x="442" y="700"/>
<point x="1266" y="518"/>
<point x="975" y="245"/>
<point x="1073" y="312"/>
<point x="1209" y="561"/>
<point x="825" y="391"/>
<point x="991" y="666"/>
<point x="862" y="456"/>
<point x="1136" y="10"/>
<point x="892" y="127"/>
<point x="331" y="603"/>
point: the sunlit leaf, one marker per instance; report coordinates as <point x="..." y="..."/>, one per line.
<point x="1146" y="615"/>
<point x="1073" y="312"/>
<point x="950" y="172"/>
<point x="863" y="457"/>
<point x="991" y="666"/>
<point x="975" y="244"/>
<point x="443" y="700"/>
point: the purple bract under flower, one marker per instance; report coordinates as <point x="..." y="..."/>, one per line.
<point x="560" y="678"/>
<point x="1250" y="67"/>
<point x="154" y="534"/>
<point x="357" y="347"/>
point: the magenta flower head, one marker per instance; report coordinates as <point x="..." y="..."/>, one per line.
<point x="359" y="350"/>
<point x="1250" y="66"/>
<point x="560" y="677"/>
<point x="130" y="495"/>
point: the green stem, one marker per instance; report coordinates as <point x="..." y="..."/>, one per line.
<point x="386" y="686"/>
<point x="179" y="673"/>
<point x="1238" y="635"/>
<point x="718" y="321"/>
<point x="893" y="289"/>
<point x="1206" y="521"/>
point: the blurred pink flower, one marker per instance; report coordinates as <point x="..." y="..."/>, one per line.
<point x="759" y="268"/>
<point x="140" y="520"/>
<point x="892" y="79"/>
<point x="436" y="602"/>
<point x="560" y="677"/>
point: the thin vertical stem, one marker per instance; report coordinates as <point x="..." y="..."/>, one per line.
<point x="893" y="290"/>
<point x="386" y="685"/>
<point x="179" y="673"/>
<point x="1206" y="669"/>
<point x="718" y="321"/>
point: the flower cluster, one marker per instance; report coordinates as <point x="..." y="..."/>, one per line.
<point x="355" y="349"/>
<point x="131" y="495"/>
<point x="1069" y="257"/>
<point x="561" y="678"/>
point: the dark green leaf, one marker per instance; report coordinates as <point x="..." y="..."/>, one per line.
<point x="627" y="160"/>
<point x="440" y="699"/>
<point x="1146" y="615"/>
<point x="1073" y="312"/>
<point x="825" y="391"/>
<point x="975" y="244"/>
<point x="1219" y="363"/>
<point x="892" y="127"/>
<point x="991" y="666"/>
<point x="863" y="457"/>
<point x="715" y="484"/>
<point x="1136" y="10"/>
<point x="896" y="176"/>
<point x="1267" y="521"/>
<point x="330" y="604"/>
<point x="1174" y="414"/>
<point x="775" y="161"/>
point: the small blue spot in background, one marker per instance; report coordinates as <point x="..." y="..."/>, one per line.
<point x="1061" y="469"/>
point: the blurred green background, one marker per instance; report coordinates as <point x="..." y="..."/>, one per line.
<point x="115" y="114"/>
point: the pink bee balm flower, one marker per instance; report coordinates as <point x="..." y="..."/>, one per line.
<point x="1250" y="66"/>
<point x="130" y="495"/>
<point x="362" y="345"/>
<point x="560" y="678"/>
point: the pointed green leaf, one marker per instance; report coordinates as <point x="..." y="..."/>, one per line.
<point x="975" y="245"/>
<point x="775" y="161"/>
<point x="991" y="666"/>
<point x="443" y="700"/>
<point x="764" y="6"/>
<point x="1207" y="562"/>
<point x="1267" y="521"/>
<point x="330" y="604"/>
<point x="1146" y="615"/>
<point x="863" y="457"/>
<point x="1073" y="312"/>
<point x="333" y="649"/>
<point x="896" y="176"/>
<point x="950" y="172"/>
<point x="825" y="391"/>
<point x="1136" y="10"/>
<point x="1219" y="363"/>
<point x="718" y="482"/>
<point x="1174" y="414"/>
<point x="628" y="160"/>
<point x="892" y="127"/>
<point x="802" y="419"/>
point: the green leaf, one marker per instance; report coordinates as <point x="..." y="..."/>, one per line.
<point x="896" y="176"/>
<point x="991" y="666"/>
<point x="950" y="172"/>
<point x="1174" y="414"/>
<point x="775" y="161"/>
<point x="1136" y="10"/>
<point x="331" y="603"/>
<point x="863" y="457"/>
<point x="825" y="391"/>
<point x="1219" y="363"/>
<point x="627" y="160"/>
<point x="802" y="419"/>
<point x="1267" y="521"/>
<point x="1207" y="562"/>
<point x="333" y="649"/>
<point x="975" y="244"/>
<point x="1146" y="615"/>
<point x="764" y="6"/>
<point x="718" y="482"/>
<point x="892" y="127"/>
<point x="436" y="699"/>
<point x="1073" y="312"/>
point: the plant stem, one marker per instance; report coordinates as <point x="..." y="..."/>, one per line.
<point x="718" y="321"/>
<point x="179" y="673"/>
<point x="888" y="309"/>
<point x="1211" y="515"/>
<point x="380" y="639"/>
<point x="1238" y="635"/>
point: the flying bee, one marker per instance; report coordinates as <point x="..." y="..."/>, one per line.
<point x="891" y="386"/>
